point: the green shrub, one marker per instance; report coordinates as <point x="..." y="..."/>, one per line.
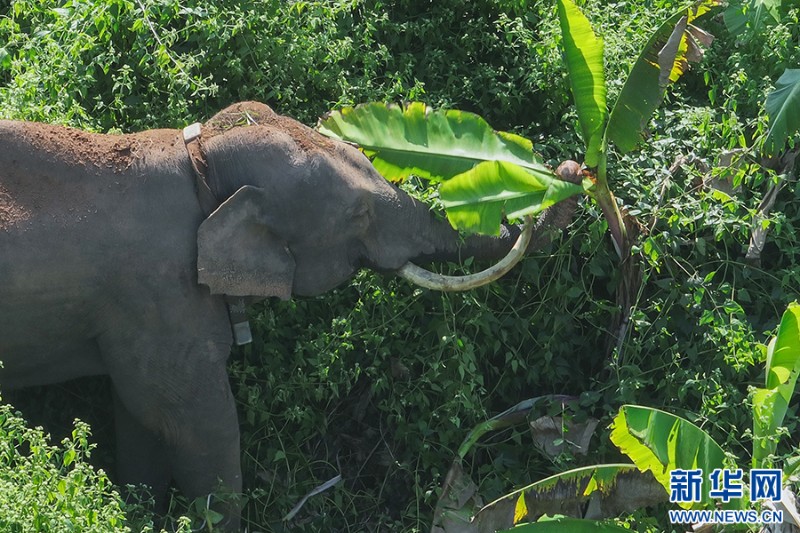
<point x="134" y="64"/>
<point x="51" y="488"/>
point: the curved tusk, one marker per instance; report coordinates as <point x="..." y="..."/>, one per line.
<point x="439" y="282"/>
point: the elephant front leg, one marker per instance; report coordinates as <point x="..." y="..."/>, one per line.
<point x="141" y="456"/>
<point x="179" y="419"/>
<point x="207" y="457"/>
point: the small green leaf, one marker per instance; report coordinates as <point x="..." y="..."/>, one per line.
<point x="5" y="58"/>
<point x="791" y="466"/>
<point x="783" y="110"/>
<point x="69" y="457"/>
<point x="583" y="52"/>
<point x="214" y="517"/>
<point x="477" y="200"/>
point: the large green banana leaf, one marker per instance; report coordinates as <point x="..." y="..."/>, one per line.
<point x="435" y="145"/>
<point x="478" y="199"/>
<point x="488" y="174"/>
<point x="746" y="17"/>
<point x="570" y="525"/>
<point x="664" y="58"/>
<point x="770" y="404"/>
<point x="661" y="442"/>
<point x="783" y="356"/>
<point x="583" y="52"/>
<point x="783" y="110"/>
<point x="576" y="484"/>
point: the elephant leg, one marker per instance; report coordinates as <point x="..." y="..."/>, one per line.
<point x="180" y="394"/>
<point x="141" y="457"/>
<point x="214" y="465"/>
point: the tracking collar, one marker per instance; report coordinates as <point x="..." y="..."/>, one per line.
<point x="237" y="305"/>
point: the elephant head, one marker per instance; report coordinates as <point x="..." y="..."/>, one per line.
<point x="300" y="213"/>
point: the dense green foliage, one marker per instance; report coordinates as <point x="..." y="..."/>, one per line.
<point x="380" y="382"/>
<point x="116" y="63"/>
<point x="44" y="488"/>
<point x="53" y="489"/>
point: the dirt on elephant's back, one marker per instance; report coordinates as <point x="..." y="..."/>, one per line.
<point x="11" y="212"/>
<point x="307" y="139"/>
<point x="75" y="147"/>
<point x="245" y="114"/>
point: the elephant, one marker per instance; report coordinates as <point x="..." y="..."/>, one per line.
<point x="119" y="255"/>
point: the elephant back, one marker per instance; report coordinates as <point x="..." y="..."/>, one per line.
<point x="245" y="114"/>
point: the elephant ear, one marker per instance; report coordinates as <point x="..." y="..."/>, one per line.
<point x="237" y="254"/>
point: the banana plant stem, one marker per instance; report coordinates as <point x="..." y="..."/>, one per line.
<point x="608" y="204"/>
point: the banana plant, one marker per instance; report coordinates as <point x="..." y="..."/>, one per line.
<point x="656" y="443"/>
<point x="773" y="151"/>
<point x="611" y="488"/>
<point x="770" y="404"/>
<point x="783" y="111"/>
<point x="663" y="60"/>
<point x="487" y="174"/>
<point x="661" y="442"/>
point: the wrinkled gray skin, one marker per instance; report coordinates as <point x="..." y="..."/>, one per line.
<point x="103" y="242"/>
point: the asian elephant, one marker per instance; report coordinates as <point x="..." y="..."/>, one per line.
<point x="116" y="251"/>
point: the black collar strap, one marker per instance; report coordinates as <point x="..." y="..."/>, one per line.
<point x="237" y="311"/>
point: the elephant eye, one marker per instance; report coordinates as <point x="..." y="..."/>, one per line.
<point x="358" y="211"/>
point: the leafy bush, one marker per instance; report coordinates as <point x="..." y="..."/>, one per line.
<point x="380" y="381"/>
<point x="109" y="64"/>
<point x="51" y="488"/>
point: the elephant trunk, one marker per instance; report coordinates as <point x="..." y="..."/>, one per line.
<point x="513" y="241"/>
